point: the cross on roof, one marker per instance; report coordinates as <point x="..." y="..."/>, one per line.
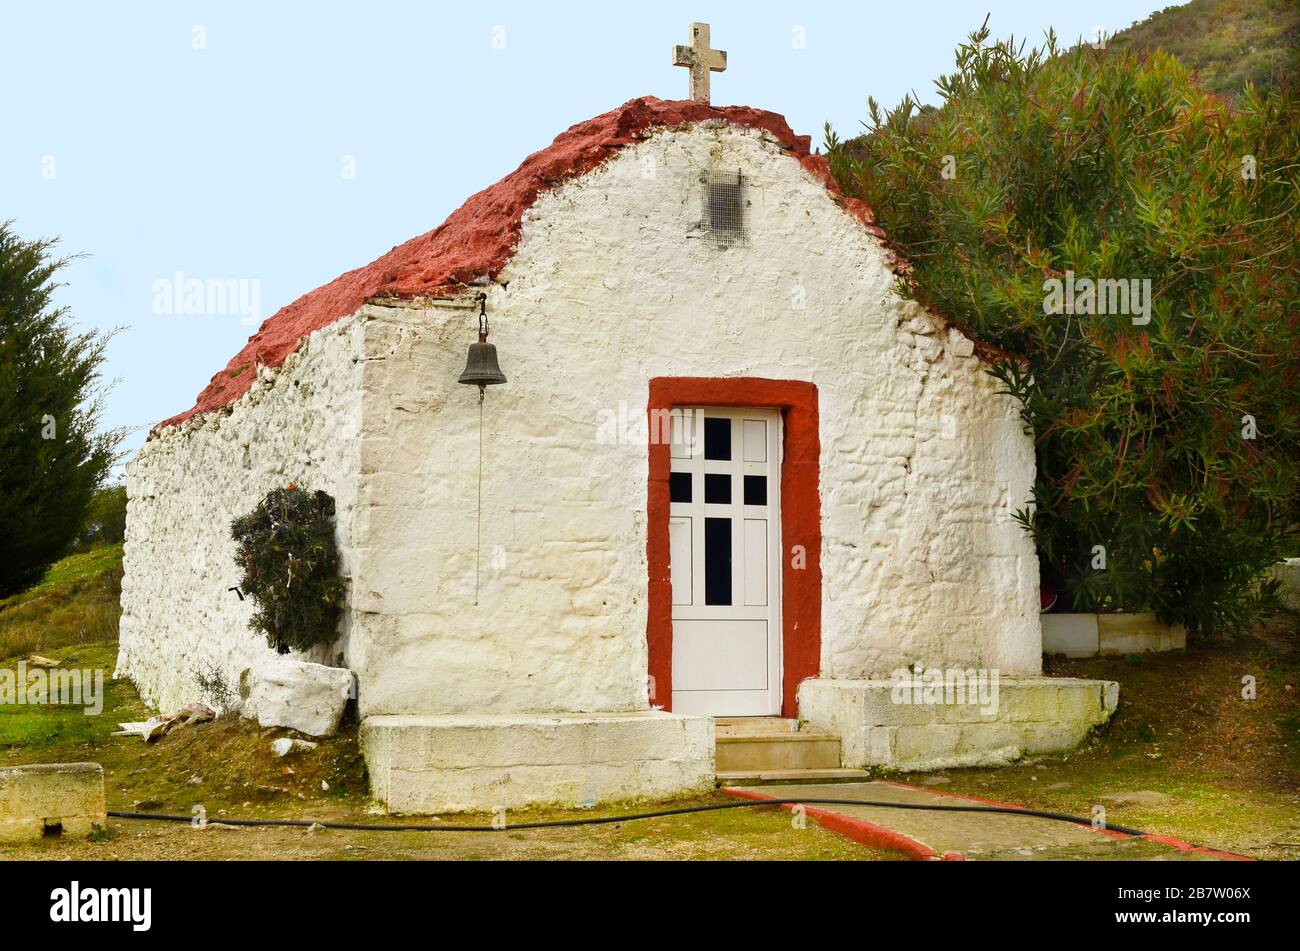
<point x="701" y="60"/>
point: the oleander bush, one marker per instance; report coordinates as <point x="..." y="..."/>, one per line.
<point x="1166" y="424"/>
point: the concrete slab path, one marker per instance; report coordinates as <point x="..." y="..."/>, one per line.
<point x="927" y="834"/>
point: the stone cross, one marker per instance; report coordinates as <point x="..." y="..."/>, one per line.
<point x="701" y="60"/>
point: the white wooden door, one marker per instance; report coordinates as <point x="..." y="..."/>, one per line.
<point x="724" y="549"/>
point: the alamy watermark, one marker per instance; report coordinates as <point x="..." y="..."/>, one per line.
<point x="933" y="686"/>
<point x="658" y="427"/>
<point x="1084" y="295"/>
<point x="202" y="297"/>
<point x="70" y="688"/>
<point x="77" y="904"/>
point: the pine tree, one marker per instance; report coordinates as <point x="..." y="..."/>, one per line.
<point x="52" y="454"/>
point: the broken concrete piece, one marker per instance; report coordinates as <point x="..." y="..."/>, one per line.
<point x="162" y="724"/>
<point x="196" y="713"/>
<point x="149" y="729"/>
<point x="284" y="746"/>
<point x="299" y="695"/>
<point x="38" y="800"/>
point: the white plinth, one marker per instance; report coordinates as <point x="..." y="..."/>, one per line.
<point x="433" y="764"/>
<point x="1032" y="716"/>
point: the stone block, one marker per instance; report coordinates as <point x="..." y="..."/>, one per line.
<point x="1090" y="635"/>
<point x="1138" y="633"/>
<point x="299" y="695"/>
<point x="1033" y="715"/>
<point x="432" y="764"/>
<point x="40" y="799"/>
<point x="1074" y="635"/>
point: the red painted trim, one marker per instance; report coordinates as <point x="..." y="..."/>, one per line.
<point x="801" y="588"/>
<point x="859" y="830"/>
<point x="1168" y="840"/>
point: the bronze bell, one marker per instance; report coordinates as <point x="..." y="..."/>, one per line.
<point x="481" y="367"/>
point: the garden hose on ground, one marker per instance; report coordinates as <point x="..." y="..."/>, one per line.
<point x="606" y="820"/>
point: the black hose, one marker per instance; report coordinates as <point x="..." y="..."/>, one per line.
<point x="605" y="820"/>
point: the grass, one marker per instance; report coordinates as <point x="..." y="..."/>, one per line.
<point x="226" y="768"/>
<point x="1230" y="766"/>
<point x="75" y="603"/>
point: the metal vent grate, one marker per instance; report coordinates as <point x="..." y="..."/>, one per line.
<point x="725" y="209"/>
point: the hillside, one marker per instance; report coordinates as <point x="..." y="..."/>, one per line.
<point x="75" y="603"/>
<point x="1227" y="42"/>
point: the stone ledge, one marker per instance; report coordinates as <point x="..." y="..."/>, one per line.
<point x="1091" y="635"/>
<point x="40" y="797"/>
<point x="430" y="764"/>
<point x="1033" y="716"/>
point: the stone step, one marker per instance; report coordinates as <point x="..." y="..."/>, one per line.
<point x="754" y="726"/>
<point x="777" y="751"/>
<point x="763" y="777"/>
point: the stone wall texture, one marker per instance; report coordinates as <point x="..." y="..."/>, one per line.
<point x="299" y="423"/>
<point x="615" y="281"/>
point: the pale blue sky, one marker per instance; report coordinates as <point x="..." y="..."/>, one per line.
<point x="150" y="156"/>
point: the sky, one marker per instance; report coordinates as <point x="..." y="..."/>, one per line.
<point x="278" y="145"/>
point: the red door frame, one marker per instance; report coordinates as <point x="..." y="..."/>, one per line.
<point x="801" y="584"/>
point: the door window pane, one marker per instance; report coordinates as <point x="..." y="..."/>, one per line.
<point x="717" y="561"/>
<point x="679" y="486"/>
<point x="717" y="488"/>
<point x="755" y="490"/>
<point x="717" y="438"/>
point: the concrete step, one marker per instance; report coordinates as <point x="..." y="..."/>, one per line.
<point x="763" y="777"/>
<point x="753" y="726"/>
<point x="766" y="752"/>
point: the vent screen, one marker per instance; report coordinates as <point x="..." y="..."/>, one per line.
<point x="725" y="209"/>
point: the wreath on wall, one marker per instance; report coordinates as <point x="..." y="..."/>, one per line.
<point x="290" y="560"/>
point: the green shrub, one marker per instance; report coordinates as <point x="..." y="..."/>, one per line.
<point x="1166" y="447"/>
<point x="290" y="560"/>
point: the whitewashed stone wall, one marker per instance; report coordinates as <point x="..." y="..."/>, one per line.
<point x="298" y="423"/>
<point x="923" y="463"/>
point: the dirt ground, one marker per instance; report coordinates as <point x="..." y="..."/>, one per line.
<point x="226" y="768"/>
<point x="1186" y="755"/>
<point x="764" y="833"/>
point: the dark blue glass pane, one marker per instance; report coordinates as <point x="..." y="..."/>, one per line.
<point x="717" y="438"/>
<point x="679" y="486"/>
<point x="755" y="490"/>
<point x="717" y="561"/>
<point x="717" y="488"/>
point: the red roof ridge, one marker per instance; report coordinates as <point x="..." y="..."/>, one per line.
<point x="479" y="238"/>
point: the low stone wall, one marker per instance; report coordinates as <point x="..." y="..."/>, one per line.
<point x="1032" y="716"/>
<point x="1091" y="635"/>
<point x="432" y="764"/>
<point x="1287" y="574"/>
<point x="36" y="800"/>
